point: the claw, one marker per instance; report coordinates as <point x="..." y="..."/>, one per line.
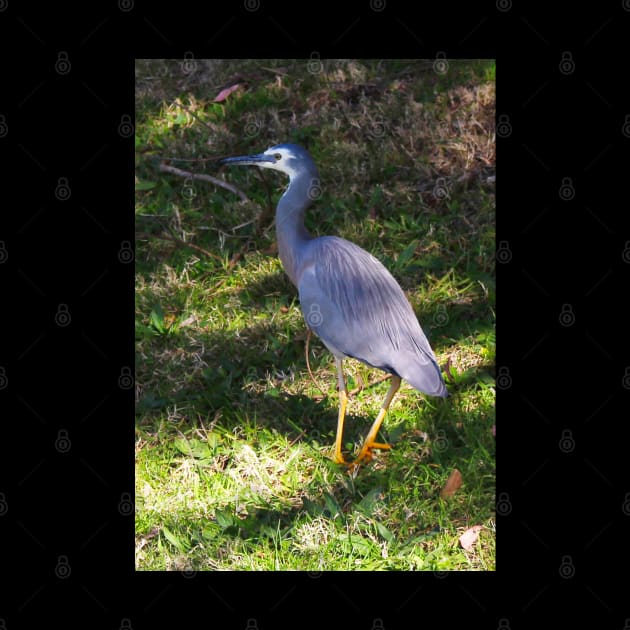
<point x="367" y="452"/>
<point x="365" y="455"/>
<point x="379" y="445"/>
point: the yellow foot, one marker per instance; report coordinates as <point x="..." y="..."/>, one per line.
<point x="365" y="455"/>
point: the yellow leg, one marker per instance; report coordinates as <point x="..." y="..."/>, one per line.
<point x="365" y="454"/>
<point x="343" y="401"/>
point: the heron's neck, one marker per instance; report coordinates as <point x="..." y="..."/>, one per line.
<point x="290" y="231"/>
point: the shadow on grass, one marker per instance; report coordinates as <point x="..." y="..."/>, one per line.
<point x="249" y="381"/>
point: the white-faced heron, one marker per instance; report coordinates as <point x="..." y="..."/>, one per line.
<point x="348" y="298"/>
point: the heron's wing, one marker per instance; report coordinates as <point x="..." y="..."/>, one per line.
<point x="357" y="308"/>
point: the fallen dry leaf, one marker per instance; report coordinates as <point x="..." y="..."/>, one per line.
<point x="469" y="537"/>
<point x="453" y="484"/>
<point x="223" y="94"/>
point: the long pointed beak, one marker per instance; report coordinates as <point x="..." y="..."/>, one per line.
<point x="248" y="160"/>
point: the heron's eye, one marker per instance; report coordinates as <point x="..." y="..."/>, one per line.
<point x="278" y="156"/>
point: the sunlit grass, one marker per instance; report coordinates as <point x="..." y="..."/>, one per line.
<point x="233" y="437"/>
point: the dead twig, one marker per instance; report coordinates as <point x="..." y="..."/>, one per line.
<point x="300" y="436"/>
<point x="167" y="168"/>
<point x="362" y="386"/>
<point x="166" y="158"/>
<point x="174" y="239"/>
<point x="278" y="71"/>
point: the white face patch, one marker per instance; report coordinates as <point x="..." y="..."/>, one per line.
<point x="282" y="164"/>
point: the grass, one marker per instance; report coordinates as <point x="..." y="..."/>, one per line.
<point x="233" y="438"/>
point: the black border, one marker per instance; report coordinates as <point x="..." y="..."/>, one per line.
<point x="561" y="506"/>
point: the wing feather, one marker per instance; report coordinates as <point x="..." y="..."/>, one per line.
<point x="352" y="302"/>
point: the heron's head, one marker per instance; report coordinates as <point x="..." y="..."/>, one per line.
<point x="290" y="159"/>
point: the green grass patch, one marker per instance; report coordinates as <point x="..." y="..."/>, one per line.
<point x="233" y="438"/>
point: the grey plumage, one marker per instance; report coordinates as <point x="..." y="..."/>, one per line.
<point x="365" y="313"/>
